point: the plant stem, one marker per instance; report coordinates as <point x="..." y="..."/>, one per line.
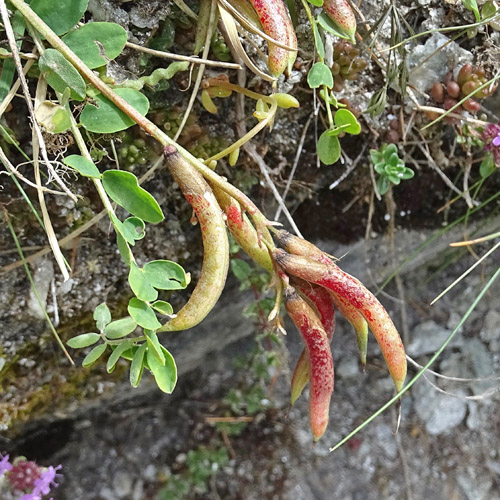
<point x="123" y="105"/>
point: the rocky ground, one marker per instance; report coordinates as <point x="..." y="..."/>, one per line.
<point x="227" y="431"/>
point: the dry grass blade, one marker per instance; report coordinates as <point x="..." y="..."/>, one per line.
<point x="234" y="40"/>
<point x="489" y="252"/>
<point x="36" y="129"/>
<point x="41" y="91"/>
<point x="251" y="28"/>
<point x="178" y="57"/>
<point x="201" y="69"/>
<point x="12" y="92"/>
<point x="13" y="170"/>
<point x="185" y="8"/>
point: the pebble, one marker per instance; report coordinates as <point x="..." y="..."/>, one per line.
<point x="428" y="337"/>
<point x="440" y="412"/>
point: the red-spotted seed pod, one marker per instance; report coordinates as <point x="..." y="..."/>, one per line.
<point x="321" y="375"/>
<point x="340" y="12"/>
<point x="355" y="293"/>
<point x="276" y="23"/>
<point x="321" y="299"/>
<point x="215" y="242"/>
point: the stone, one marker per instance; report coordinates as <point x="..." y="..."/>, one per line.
<point x="42" y="276"/>
<point x="440" y="412"/>
<point x="491" y="327"/>
<point x="424" y="70"/>
<point x="122" y="484"/>
<point x="428" y="337"/>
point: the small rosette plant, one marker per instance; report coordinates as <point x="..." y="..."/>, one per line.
<point x="389" y="166"/>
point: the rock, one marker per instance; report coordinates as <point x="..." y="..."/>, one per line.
<point x="428" y="337"/>
<point x="481" y="360"/>
<point x="122" y="484"/>
<point x="42" y="276"/>
<point x="440" y="412"/>
<point x="491" y="330"/>
<point x="474" y="487"/>
<point x="347" y="368"/>
<point x="424" y="70"/>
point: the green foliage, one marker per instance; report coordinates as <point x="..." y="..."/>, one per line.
<point x="86" y="43"/>
<point x="201" y="464"/>
<point x="63" y="17"/>
<point x="473" y="7"/>
<point x="103" y="117"/>
<point x="389" y="166"/>
<point x="61" y="74"/>
<point x="83" y="166"/>
<point x="319" y="75"/>
<point x="123" y="188"/>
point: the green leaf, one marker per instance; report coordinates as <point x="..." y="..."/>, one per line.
<point x="154" y="347"/>
<point x="60" y="74"/>
<point x="60" y="16"/>
<point x="54" y="118"/>
<point x="83" y="166"/>
<point x="472" y="6"/>
<point x="316" y="3"/>
<point x="375" y="156"/>
<point x="240" y="269"/>
<point x="143" y="314"/>
<point x="344" y="118"/>
<point x="115" y="355"/>
<point x="408" y="173"/>
<point x="140" y="284"/>
<point x="94" y="355"/>
<point x="377" y="102"/>
<point x="93" y="39"/>
<point x="123" y="188"/>
<point x="163" y="307"/>
<point x="383" y="184"/>
<point x="380" y="168"/>
<point x="328" y="25"/>
<point x="487" y="166"/>
<point x="328" y="148"/>
<point x="319" y="75"/>
<point x="137" y="366"/>
<point x="124" y="249"/>
<point x="125" y="231"/>
<point x="166" y="275"/>
<point x="135" y="226"/>
<point x="395" y="179"/>
<point x="102" y="316"/>
<point x="84" y="340"/>
<point x="120" y="328"/>
<point x="320" y="47"/>
<point x="165" y="375"/>
<point x="104" y="117"/>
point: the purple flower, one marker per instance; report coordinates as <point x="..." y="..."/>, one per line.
<point x="491" y="139"/>
<point x="5" y="465"/>
<point x="45" y="481"/>
<point x="35" y="495"/>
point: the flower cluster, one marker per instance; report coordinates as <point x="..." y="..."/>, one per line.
<point x="23" y="475"/>
<point x="491" y="139"/>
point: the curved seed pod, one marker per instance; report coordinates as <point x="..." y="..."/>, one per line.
<point x="243" y="231"/>
<point x="355" y="293"/>
<point x="357" y="321"/>
<point x="340" y="12"/>
<point x="215" y="242"/>
<point x="276" y="22"/>
<point x="322" y="301"/>
<point x="299" y="246"/>
<point x="320" y="359"/>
